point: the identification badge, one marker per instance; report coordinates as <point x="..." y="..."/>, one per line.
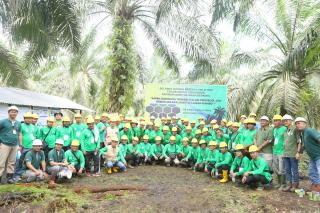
<point x="276" y="141"/>
<point x="65" y="137"/>
<point x="240" y="169"/>
<point x="32" y="137"/>
<point x="14" y="131"/>
<point x="92" y="141"/>
<point x="78" y="134"/>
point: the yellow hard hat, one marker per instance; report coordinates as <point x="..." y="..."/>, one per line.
<point x="202" y="141"/>
<point x="189" y="128"/>
<point x="243" y="116"/>
<point x="142" y="119"/>
<point x="127" y="125"/>
<point x="174" y="129"/>
<point x="169" y="118"/>
<point x="277" y="117"/>
<point x="156" y="125"/>
<point x="97" y="117"/>
<point x="194" y="140"/>
<point x="236" y="124"/>
<point x="77" y="115"/>
<point x="239" y="147"/>
<point x="213" y="143"/>
<point x="251" y="121"/>
<point x="124" y="137"/>
<point x="224" y="121"/>
<point x="150" y="123"/>
<point x="90" y="121"/>
<point x="172" y="138"/>
<point x="135" y="139"/>
<point x="253" y="148"/>
<point x="115" y="138"/>
<point x="205" y="129"/>
<point x="186" y="120"/>
<point x="216" y="127"/>
<point x="202" y="123"/>
<point x="198" y="131"/>
<point x="165" y="128"/>
<point x="158" y="138"/>
<point x="200" y="118"/>
<point x="50" y="119"/>
<point x="163" y="118"/>
<point x="75" y="143"/>
<point x="66" y="119"/>
<point x="223" y="145"/>
<point x="253" y="114"/>
<point x="35" y="116"/>
<point x="229" y="123"/>
<point x="245" y="121"/>
<point x="134" y="121"/>
<point x="105" y="115"/>
<point x="142" y="123"/>
<point x="145" y="137"/>
<point x="192" y="121"/>
<point x="113" y="119"/>
<point x="213" y="121"/>
<point x="27" y="115"/>
<point x="185" y="139"/>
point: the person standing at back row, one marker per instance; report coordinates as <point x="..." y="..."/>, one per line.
<point x="10" y="139"/>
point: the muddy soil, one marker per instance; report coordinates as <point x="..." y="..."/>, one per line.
<point x="176" y="190"/>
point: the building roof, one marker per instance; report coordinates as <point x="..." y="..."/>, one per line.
<point x="16" y="96"/>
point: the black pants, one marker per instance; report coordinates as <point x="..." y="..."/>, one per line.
<point x="211" y="166"/>
<point x="189" y="163"/>
<point x="159" y="161"/>
<point x="254" y="180"/>
<point x="223" y="167"/>
<point x="200" y="167"/>
<point x="133" y="159"/>
<point x="90" y="156"/>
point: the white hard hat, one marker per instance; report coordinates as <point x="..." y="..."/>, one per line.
<point x="264" y="118"/>
<point x="59" y="141"/>
<point x="37" y="142"/>
<point x="152" y="117"/>
<point x="300" y="119"/>
<point x="13" y="108"/>
<point x="287" y="117"/>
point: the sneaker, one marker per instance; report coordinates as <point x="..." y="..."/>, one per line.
<point x="96" y="174"/>
<point x="260" y="188"/>
<point x="69" y="174"/>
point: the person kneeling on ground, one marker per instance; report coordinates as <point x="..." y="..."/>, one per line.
<point x="211" y="158"/>
<point x="35" y="163"/>
<point x="202" y="156"/>
<point x="185" y="149"/>
<point x="258" y="170"/>
<point x="191" y="159"/>
<point x="170" y="152"/>
<point x="240" y="164"/>
<point x="223" y="162"/>
<point x="113" y="156"/>
<point x="58" y="165"/>
<point x="132" y="154"/>
<point x="75" y="158"/>
<point x="144" y="149"/>
<point x="156" y="152"/>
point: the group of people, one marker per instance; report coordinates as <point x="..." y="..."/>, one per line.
<point x="246" y="152"/>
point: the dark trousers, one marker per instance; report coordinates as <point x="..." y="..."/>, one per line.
<point x="133" y="159"/>
<point x="223" y="167"/>
<point x="211" y="166"/>
<point x="91" y="156"/>
<point x="200" y="167"/>
<point x="159" y="161"/>
<point x="189" y="163"/>
<point x="254" y="180"/>
<point x="19" y="168"/>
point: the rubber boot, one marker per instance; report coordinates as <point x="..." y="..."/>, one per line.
<point x="277" y="186"/>
<point x="288" y="188"/>
<point x="294" y="187"/>
<point x="282" y="182"/>
<point x="10" y="179"/>
<point x="115" y="169"/>
<point x="109" y="171"/>
<point x="224" y="176"/>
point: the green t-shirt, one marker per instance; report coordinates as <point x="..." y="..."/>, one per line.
<point x="265" y="135"/>
<point x="49" y="134"/>
<point x="65" y="133"/>
<point x="55" y="156"/>
<point x="248" y="137"/>
<point x="75" y="158"/>
<point x="9" y="132"/>
<point x="311" y="142"/>
<point x="35" y="158"/>
<point x="77" y="129"/>
<point x="28" y="135"/>
<point x="278" y="134"/>
<point x="291" y="140"/>
<point x="242" y="164"/>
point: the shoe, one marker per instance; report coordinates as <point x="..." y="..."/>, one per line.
<point x="87" y="174"/>
<point x="69" y="174"/>
<point x="294" y="187"/>
<point x="96" y="174"/>
<point x="115" y="169"/>
<point x="10" y="179"/>
<point x="130" y="167"/>
<point x="288" y="188"/>
<point x="109" y="171"/>
<point x="225" y="177"/>
<point x="282" y="182"/>
<point x="260" y="188"/>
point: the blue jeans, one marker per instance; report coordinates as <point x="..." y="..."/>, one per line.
<point x="314" y="171"/>
<point x="19" y="165"/>
<point x="291" y="169"/>
<point x="111" y="164"/>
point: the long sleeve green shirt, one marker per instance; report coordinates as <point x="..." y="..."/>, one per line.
<point x="170" y="149"/>
<point x="70" y="157"/>
<point x="202" y="155"/>
<point x="88" y="141"/>
<point x="260" y="167"/>
<point x="242" y="164"/>
<point x="156" y="150"/>
<point x="144" y="148"/>
<point x="224" y="159"/>
<point x="193" y="153"/>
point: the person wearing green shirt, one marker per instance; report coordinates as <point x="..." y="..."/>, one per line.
<point x="188" y="134"/>
<point x="193" y="126"/>
<point x="114" y="158"/>
<point x="10" y="139"/>
<point x="205" y="135"/>
<point x="198" y="135"/>
<point x="202" y="156"/>
<point x="277" y="163"/>
<point x="124" y="145"/>
<point x="90" y="147"/>
<point x="243" y="124"/>
<point x="126" y="131"/>
<point x="166" y="135"/>
<point x="174" y="133"/>
<point x="57" y="164"/>
<point x="223" y="162"/>
<point x="132" y="155"/>
<point x="155" y="153"/>
<point x="170" y="152"/>
<point x="191" y="159"/>
<point x="65" y="133"/>
<point x="140" y="131"/>
<point x="75" y="158"/>
<point x="58" y="116"/>
<point x="184" y="148"/>
<point x="221" y="137"/>
<point x="211" y="158"/>
<point x="258" y="170"/>
<point x="148" y="129"/>
<point x="249" y="134"/>
<point x="264" y="140"/>
<point x="144" y="149"/>
<point x="48" y="136"/>
<point x="77" y="127"/>
<point x="291" y="154"/>
<point x="223" y="126"/>
<point x="235" y="137"/>
<point x="240" y="164"/>
<point x="34" y="121"/>
<point x="35" y="163"/>
<point x="134" y="126"/>
<point x="102" y="127"/>
<point x="311" y="143"/>
<point x="153" y="134"/>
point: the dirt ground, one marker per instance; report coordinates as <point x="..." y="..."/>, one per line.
<point x="168" y="190"/>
